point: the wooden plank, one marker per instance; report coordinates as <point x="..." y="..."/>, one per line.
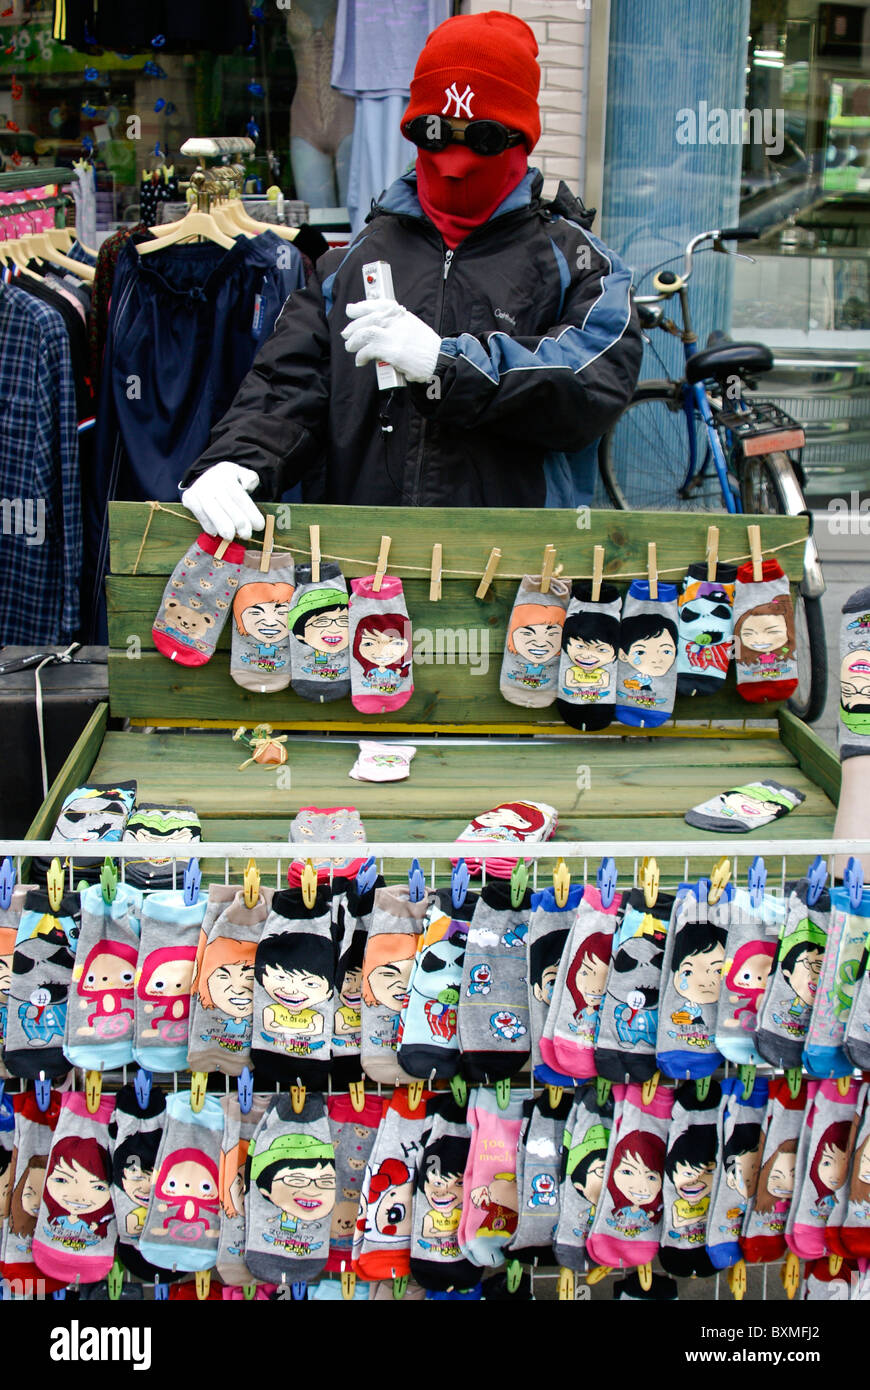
<point x="820" y="763"/>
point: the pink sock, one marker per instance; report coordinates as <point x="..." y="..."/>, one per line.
<point x="490" y="1208"/>
<point x="572" y="1021"/>
<point x="628" y="1219"/>
<point x="822" y="1169"/>
<point x="380" y="646"/>
<point x="76" y="1229"/>
<point x="197" y="600"/>
<point x="763" y="1236"/>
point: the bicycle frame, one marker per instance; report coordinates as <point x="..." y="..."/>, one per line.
<point x="695" y="400"/>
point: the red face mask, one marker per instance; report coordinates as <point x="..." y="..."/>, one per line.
<point x="459" y="190"/>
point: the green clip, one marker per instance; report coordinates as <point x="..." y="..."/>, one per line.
<point x="747" y="1076"/>
<point x="503" y="1093"/>
<point x="702" y="1087"/>
<point x="794" y="1077"/>
<point x="109" y="881"/>
<point x="519" y="882"/>
<point x="115" y="1281"/>
<point x="399" y="1286"/>
<point x="603" y="1087"/>
<point x="459" y="1088"/>
<point x="82" y="885"/>
<point x="250" y="1292"/>
<point x="514" y="1274"/>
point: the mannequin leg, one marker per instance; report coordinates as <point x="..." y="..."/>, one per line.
<point x="853" y="812"/>
<point x="313" y="174"/>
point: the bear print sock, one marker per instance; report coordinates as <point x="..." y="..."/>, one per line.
<point x="437" y="1261"/>
<point x="646" y="677"/>
<point x="538" y="1164"/>
<point x="290" y="1175"/>
<point x="763" y="1236"/>
<point x="587" y="669"/>
<point x="745" y="808"/>
<point x="42" y="967"/>
<point x="530" y="666"/>
<point x="854" y="1230"/>
<point x="765" y="650"/>
<point x="294" y="985"/>
<point x="239" y="1130"/>
<point x="10" y="918"/>
<point x="572" y="1020"/>
<point x="34" y="1131"/>
<point x="170" y="931"/>
<point x="826" y="1146"/>
<point x="549" y="928"/>
<point x="691" y="983"/>
<point x="824" y="1052"/>
<point x="352" y="913"/>
<point x="429" y="1043"/>
<point x="353" y="1135"/>
<point x="101" y="1013"/>
<point x="260" y="650"/>
<point x="793" y="982"/>
<point x="857" y="1040"/>
<point x="75" y="1230"/>
<point x="197" y="600"/>
<point x="490" y="1211"/>
<point x="706" y="629"/>
<point x="628" y="1218"/>
<point x="690" y="1171"/>
<point x="342" y="824"/>
<point x="135" y="1132"/>
<point x="854" y="726"/>
<point x="319" y="635"/>
<point x="740" y="1128"/>
<point x="382" y="1241"/>
<point x="750" y="947"/>
<point x="155" y="823"/>
<point x="387" y="965"/>
<point x="584" y="1155"/>
<point x="625" y="1043"/>
<point x="381" y="676"/>
<point x="222" y="992"/>
<point x="182" y="1226"/>
<point x="494" y="1003"/>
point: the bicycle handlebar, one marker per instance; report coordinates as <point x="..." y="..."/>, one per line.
<point x="667" y="282"/>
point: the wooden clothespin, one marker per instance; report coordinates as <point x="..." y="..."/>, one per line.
<point x="754" y="533"/>
<point x="653" y="569"/>
<point x="314" y="534"/>
<point x="712" y="553"/>
<point x="547" y="567"/>
<point x="597" y="571"/>
<point x="435" y="577"/>
<point x="489" y="572"/>
<point x="221" y="550"/>
<point x="383" y="558"/>
<point x="268" y="542"/>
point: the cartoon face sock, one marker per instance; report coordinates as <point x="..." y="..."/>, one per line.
<point x="290" y="1197"/>
<point x="740" y="1130"/>
<point x="389" y="960"/>
<point x="749" y="951"/>
<point x="646" y="677"/>
<point x="381" y="677"/>
<point x="382" y="1240"/>
<point x="490" y="1211"/>
<point x="222" y="992"/>
<point x="294" y="986"/>
<point x="854" y="726"/>
<point x="628" y="1217"/>
<point x="706" y="629"/>
<point x="549" y="928"/>
<point x="538" y="1166"/>
<point x="182" y="1227"/>
<point x="167" y="950"/>
<point x="745" y="808"/>
<point x="93" y="812"/>
<point x="691" y="983"/>
<point x="319" y="636"/>
<point x="793" y="982"/>
<point x="830" y="1123"/>
<point x="260" y="650"/>
<point x="339" y="823"/>
<point x="584" y="1154"/>
<point x="572" y="1020"/>
<point x="10" y="918"/>
<point x="197" y="600"/>
<point x="628" y="1015"/>
<point x="429" y="1045"/>
<point x="353" y="1135"/>
<point x="42" y="968"/>
<point x="352" y="914"/>
<point x="238" y="1132"/>
<point x="530" y="667"/>
<point x="383" y="762"/>
<point x="437" y="1261"/>
<point x="764" y="635"/>
<point x="857" y="1039"/>
<point x="514" y="822"/>
<point x="75" y="1230"/>
<point x="690" y="1171"/>
<point x="34" y="1131"/>
<point x="854" y="1230"/>
<point x="158" y="824"/>
<point x="494" y="1003"/>
<point x="824" y="1052"/>
<point x="587" y="669"/>
<point x="763" y="1237"/>
<point x="135" y="1132"/>
<point x="7" y="1143"/>
<point x="101" y="1012"/>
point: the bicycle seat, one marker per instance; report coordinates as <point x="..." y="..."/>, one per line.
<point x="721" y="361"/>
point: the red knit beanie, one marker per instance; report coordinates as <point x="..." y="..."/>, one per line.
<point x="480" y="67"/>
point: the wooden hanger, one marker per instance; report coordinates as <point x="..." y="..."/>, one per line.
<point x="197" y="222"/>
<point x="39" y="245"/>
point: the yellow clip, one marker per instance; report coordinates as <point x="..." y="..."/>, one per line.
<point x="54" y="885"/>
<point x="649" y="880"/>
<point x="309" y="883"/>
<point x="650" y="1087"/>
<point x="203" y="1282"/>
<point x="198" y="1087"/>
<point x="843" y="1084"/>
<point x="737" y="1280"/>
<point x="415" y="1094"/>
<point x="598" y="1273"/>
<point x="297" y="1098"/>
<point x="790" y="1274"/>
<point x="357" y="1092"/>
<point x="566" y="1286"/>
<point x="554" y="1095"/>
<point x="835" y="1264"/>
<point x="561" y="882"/>
<point x="719" y="879"/>
<point x="644" y="1274"/>
<point x="93" y="1090"/>
<point x="348" y="1283"/>
<point x="252" y="883"/>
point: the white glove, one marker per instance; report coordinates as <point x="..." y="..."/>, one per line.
<point x="384" y="331"/>
<point x="219" y="500"/>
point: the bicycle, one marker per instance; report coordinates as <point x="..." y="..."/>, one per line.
<point x="743" y="454"/>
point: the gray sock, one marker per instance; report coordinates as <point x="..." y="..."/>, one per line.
<point x="572" y="1019"/>
<point x="690" y="1170"/>
<point x="42" y="967"/>
<point x="351" y="914"/>
<point x="319" y="635"/>
<point x="538" y="1163"/>
<point x="170" y="932"/>
<point x="746" y="807"/>
<point x="549" y="928"/>
<point x="764" y="634"/>
<point x="294" y="987"/>
<point x="260" y="651"/>
<point x="382" y="1240"/>
<point x="290" y="1192"/>
<point x="822" y="1169"/>
<point x="9" y="919"/>
<point x="785" y="1010"/>
<point x="646" y="677"/>
<point x="222" y="992"/>
<point x="749" y="950"/>
<point x="824" y="1051"/>
<point x="101" y="1012"/>
<point x="854" y="728"/>
<point x="353" y="1135"/>
<point x="494" y="1003"/>
<point x="706" y="629"/>
<point x="182" y="1227"/>
<point x="135" y="1135"/>
<point x="341" y="824"/>
<point x="625" y="1043"/>
<point x="238" y="1132"/>
<point x="158" y="824"/>
<point x="530" y="668"/>
<point x="389" y="958"/>
<point x="736" y="1178"/>
<point x="691" y="983"/>
<point x="69" y="1242"/>
<point x="590" y="645"/>
<point x="584" y="1153"/>
<point x="196" y="601"/>
<point x="34" y="1132"/>
<point x="763" y="1236"/>
<point x="437" y="1261"/>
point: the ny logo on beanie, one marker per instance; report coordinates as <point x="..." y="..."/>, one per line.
<point x="462" y="104"/>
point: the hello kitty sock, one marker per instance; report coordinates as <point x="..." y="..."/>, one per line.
<point x="437" y="1262"/>
<point x="290" y="1178"/>
<point x="763" y="1235"/>
<point x="690" y="1170"/>
<point x="827" y="1139"/>
<point x="342" y="824"/>
<point x="168" y="939"/>
<point x="740" y="1129"/>
<point x="549" y="927"/>
<point x="750" y="947"/>
<point x="182" y="1226"/>
<point x="101" y="1013"/>
<point x="628" y="1219"/>
<point x="691" y="982"/>
<point x="571" y="1028"/>
<point x="76" y="1229"/>
<point x="584" y="1154"/>
<point x="34" y="1131"/>
<point x="491" y="1200"/>
<point x="382" y="1241"/>
<point x="381" y="674"/>
<point x="197" y="600"/>
<point x="353" y="1135"/>
<point x="787" y="1004"/>
<point x="625" y="1043"/>
<point x="824" y="1051"/>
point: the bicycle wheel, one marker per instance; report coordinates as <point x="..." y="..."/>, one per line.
<point x="643" y="460"/>
<point x="762" y="493"/>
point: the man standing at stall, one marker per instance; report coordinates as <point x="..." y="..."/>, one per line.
<point x="511" y="325"/>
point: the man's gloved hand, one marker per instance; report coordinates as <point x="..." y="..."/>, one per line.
<point x="219" y="500"/>
<point x="381" y="330"/>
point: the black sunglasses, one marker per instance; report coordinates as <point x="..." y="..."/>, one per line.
<point x="483" y="137"/>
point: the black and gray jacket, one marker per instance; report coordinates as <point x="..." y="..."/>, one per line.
<point x="540" y="353"/>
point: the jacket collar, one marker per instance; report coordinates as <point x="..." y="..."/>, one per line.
<point x="401" y="197"/>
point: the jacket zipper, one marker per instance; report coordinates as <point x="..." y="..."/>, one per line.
<point x="418" y="465"/>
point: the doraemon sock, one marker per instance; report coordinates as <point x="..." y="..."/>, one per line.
<point x="763" y="1236"/>
<point x="494" y="1003"/>
<point x="135" y="1132"/>
<point x="42" y="967"/>
<point x="238" y="1131"/>
<point x="395" y="927"/>
<point x="100" y="1016"/>
<point x="625" y="1043"/>
<point x="854" y="1229"/>
<point x="222" y="990"/>
<point x="429" y="1042"/>
<point x="750" y="947"/>
<point x="827" y="1137"/>
<point x="382" y="1240"/>
<point x="10" y="918"/>
<point x="765" y="650"/>
<point x="490" y="1208"/>
<point x="34" y="1131"/>
<point x="319" y="639"/>
<point x="646" y="677"/>
<point x="290" y="1181"/>
<point x="740" y="1131"/>
<point x="197" y="600"/>
<point x="691" y="982"/>
<point x="530" y="665"/>
<point x="260" y="648"/>
<point x="854" y="726"/>
<point x="628" y="1218"/>
<point x="587" y="670"/>
<point x="584" y="1154"/>
<point x="353" y="1135"/>
<point x="173" y="828"/>
<point x="745" y="808"/>
<point x="824" y="1053"/>
<point x="437" y="1261"/>
<point x="572" y="1020"/>
<point x="690" y="1170"/>
<point x="294" y="987"/>
<point x="549" y="928"/>
<point x="793" y="982"/>
<point x="706" y="629"/>
<point x="352" y="914"/>
<point x="856" y="1043"/>
<point x="168" y="940"/>
<point x="75" y="1230"/>
<point x="182" y="1226"/>
<point x="538" y="1164"/>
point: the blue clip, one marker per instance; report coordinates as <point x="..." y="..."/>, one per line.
<point x="299" y="1289"/>
<point x="701" y="890"/>
<point x="459" y="882"/>
<point x="7" y="882"/>
<point x="142" y="1087"/>
<point x="42" y="1087"/>
<point x="416" y="882"/>
<point x="817" y="877"/>
<point x="161" y="1291"/>
<point x="606" y="880"/>
<point x="756" y="878"/>
<point x="192" y="880"/>
<point x="59" y="1295"/>
<point x="853" y="879"/>
<point x="246" y="1090"/>
<point x="365" y="879"/>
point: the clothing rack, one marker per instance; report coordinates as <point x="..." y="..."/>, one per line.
<point x="34" y="178"/>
